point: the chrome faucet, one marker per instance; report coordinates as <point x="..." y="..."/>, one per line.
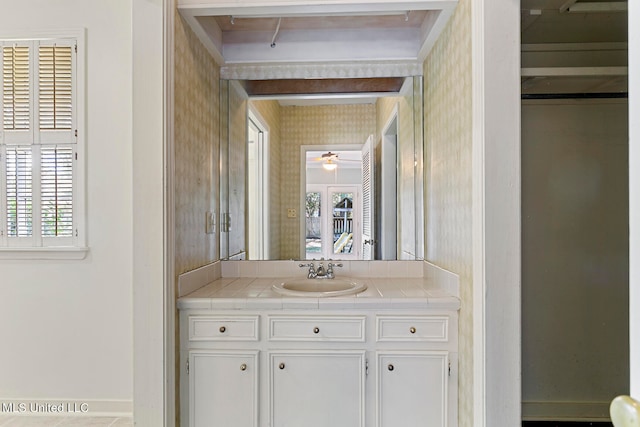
<point x="320" y="272"/>
<point x="330" y="274"/>
<point x="311" y="274"/>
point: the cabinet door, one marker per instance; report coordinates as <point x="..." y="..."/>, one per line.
<point x="412" y="389"/>
<point x="223" y="389"/>
<point x="317" y="389"/>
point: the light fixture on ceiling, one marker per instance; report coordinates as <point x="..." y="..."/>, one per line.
<point x="329" y="164"/>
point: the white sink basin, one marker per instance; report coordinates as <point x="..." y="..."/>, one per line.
<point x="319" y="288"/>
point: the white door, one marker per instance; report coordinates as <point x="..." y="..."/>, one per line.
<point x="223" y="389"/>
<point x="368" y="187"/>
<point x="412" y="389"/>
<point x="317" y="389"/>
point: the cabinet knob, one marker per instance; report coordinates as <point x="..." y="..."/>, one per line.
<point x="281" y="366"/>
<point x="390" y="367"/>
<point x="412" y="330"/>
<point x="222" y="329"/>
<point x="243" y="367"/>
<point x="316" y="330"/>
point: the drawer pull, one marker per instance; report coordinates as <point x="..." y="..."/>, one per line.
<point x="222" y="329"/>
<point x="316" y="330"/>
<point x="390" y="367"/>
<point x="412" y="330"/>
<point x="243" y="367"/>
<point x="281" y="366"/>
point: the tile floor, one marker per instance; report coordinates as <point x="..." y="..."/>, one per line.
<point x="46" y="421"/>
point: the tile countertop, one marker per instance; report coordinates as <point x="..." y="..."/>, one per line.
<point x="244" y="293"/>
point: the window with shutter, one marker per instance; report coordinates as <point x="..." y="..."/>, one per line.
<point x="41" y="175"/>
<point x="16" y="95"/>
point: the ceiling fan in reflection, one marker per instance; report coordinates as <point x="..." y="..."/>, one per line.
<point x="330" y="160"/>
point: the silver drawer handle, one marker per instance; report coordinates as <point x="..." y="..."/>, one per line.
<point x="390" y="367"/>
<point x="316" y="330"/>
<point x="243" y="367"/>
<point x="222" y="329"/>
<point x="412" y="330"/>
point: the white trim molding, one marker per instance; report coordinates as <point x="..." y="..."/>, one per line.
<point x="364" y="69"/>
<point x="634" y="197"/>
<point x="148" y="192"/>
<point x="496" y="212"/>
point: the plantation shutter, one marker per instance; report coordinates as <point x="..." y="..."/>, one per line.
<point x="19" y="191"/>
<point x="56" y="191"/>
<point x="55" y="87"/>
<point x="38" y="140"/>
<point x="16" y="90"/>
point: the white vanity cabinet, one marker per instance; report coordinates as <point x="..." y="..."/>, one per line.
<point x="318" y="368"/>
<point x="412" y="389"/>
<point x="317" y="388"/>
<point x="412" y="383"/>
<point x="223" y="388"/>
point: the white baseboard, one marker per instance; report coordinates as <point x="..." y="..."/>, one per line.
<point x="67" y="407"/>
<point x="565" y="411"/>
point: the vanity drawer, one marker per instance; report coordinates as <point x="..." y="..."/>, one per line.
<point x="413" y="328"/>
<point x="223" y="328"/>
<point x="317" y="328"/>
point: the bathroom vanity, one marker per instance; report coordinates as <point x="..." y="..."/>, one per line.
<point x="385" y="357"/>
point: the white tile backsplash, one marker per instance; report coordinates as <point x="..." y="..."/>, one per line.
<point x="444" y="279"/>
<point x="195" y="279"/>
<point x="409" y="269"/>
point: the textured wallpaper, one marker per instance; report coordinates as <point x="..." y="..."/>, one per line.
<point x="196" y="149"/>
<point x="270" y="112"/>
<point x="314" y="125"/>
<point x="448" y="144"/>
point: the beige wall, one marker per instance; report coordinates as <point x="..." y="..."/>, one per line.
<point x="196" y="149"/>
<point x="448" y="144"/>
<point x="575" y="259"/>
<point x="314" y="125"/>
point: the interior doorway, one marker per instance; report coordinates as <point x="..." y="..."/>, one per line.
<point x="386" y="171"/>
<point x="257" y="188"/>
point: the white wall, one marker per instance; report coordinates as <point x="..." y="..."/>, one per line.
<point x="575" y="257"/>
<point x="66" y="327"/>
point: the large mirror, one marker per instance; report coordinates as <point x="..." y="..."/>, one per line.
<point x="322" y="168"/>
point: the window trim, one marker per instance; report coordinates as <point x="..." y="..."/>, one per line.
<point x="79" y="249"/>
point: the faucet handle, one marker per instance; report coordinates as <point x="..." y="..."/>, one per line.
<point x="335" y="265"/>
<point x="305" y="265"/>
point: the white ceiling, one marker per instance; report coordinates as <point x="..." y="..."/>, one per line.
<point x="568" y="45"/>
<point x="299" y="32"/>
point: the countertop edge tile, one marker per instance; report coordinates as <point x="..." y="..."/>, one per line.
<point x="257" y="294"/>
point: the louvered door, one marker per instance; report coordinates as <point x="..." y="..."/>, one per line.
<point x="367" y="199"/>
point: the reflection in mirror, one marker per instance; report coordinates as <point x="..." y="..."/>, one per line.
<point x="295" y="185"/>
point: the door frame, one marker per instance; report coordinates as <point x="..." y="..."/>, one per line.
<point x="303" y="182"/>
<point x="253" y="116"/>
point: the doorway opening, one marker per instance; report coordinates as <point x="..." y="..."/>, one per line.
<point x="257" y="188"/>
<point x="386" y="173"/>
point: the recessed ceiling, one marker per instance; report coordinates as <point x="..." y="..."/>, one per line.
<point x="298" y="32"/>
